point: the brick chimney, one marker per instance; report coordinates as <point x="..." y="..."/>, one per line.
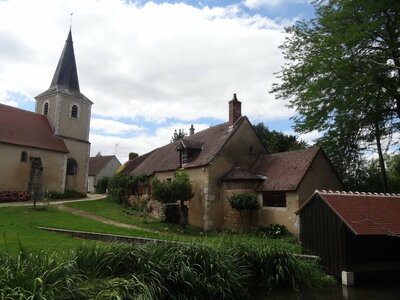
<point x="235" y="110"/>
<point x="191" y="130"/>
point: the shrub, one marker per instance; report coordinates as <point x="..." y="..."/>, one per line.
<point x="274" y="231"/>
<point x="11" y="196"/>
<point x="243" y="201"/>
<point x="102" y="185"/>
<point x="118" y="184"/>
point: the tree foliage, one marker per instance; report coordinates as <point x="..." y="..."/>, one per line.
<point x="342" y="74"/>
<point x="276" y="141"/>
<point x="178" y="135"/>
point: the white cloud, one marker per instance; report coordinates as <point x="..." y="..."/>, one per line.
<point x="308" y="137"/>
<point x="113" y="127"/>
<point x="155" y="61"/>
<point x="252" y="4"/>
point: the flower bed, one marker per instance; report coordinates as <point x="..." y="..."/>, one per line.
<point x="12" y="196"/>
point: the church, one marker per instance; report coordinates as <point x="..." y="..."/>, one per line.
<point x="49" y="149"/>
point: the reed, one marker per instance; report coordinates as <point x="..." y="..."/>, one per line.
<point x="225" y="270"/>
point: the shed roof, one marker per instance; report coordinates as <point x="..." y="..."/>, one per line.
<point x="285" y="170"/>
<point x="364" y="213"/>
<point x="25" y="128"/>
<point x="166" y="158"/>
<point x="97" y="163"/>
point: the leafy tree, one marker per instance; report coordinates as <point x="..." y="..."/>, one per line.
<point x="244" y="201"/>
<point x="342" y="74"/>
<point x="276" y="141"/>
<point x="178" y="135"/>
<point x="180" y="189"/>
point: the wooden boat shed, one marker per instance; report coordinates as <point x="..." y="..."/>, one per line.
<point x="352" y="232"/>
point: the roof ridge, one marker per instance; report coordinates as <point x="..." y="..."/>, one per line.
<point x="350" y="193"/>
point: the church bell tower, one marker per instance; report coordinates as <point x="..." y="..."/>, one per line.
<point x="68" y="112"/>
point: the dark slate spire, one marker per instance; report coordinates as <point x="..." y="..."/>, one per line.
<point x="65" y="79"/>
<point x="66" y="75"/>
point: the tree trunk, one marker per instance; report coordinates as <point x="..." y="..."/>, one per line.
<point x="381" y="159"/>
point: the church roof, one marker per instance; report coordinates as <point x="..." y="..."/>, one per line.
<point x="25" y="128"/>
<point x="65" y="79"/>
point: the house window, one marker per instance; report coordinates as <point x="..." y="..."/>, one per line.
<point x="274" y="199"/>
<point x="184" y="157"/>
<point x="46" y="108"/>
<point x="74" y="111"/>
<point x="72" y="167"/>
<point x="24" y="156"/>
<point x="169" y="179"/>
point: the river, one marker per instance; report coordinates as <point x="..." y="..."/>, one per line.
<point x="381" y="288"/>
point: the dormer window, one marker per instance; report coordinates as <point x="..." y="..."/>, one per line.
<point x="74" y="111"/>
<point x="46" y="108"/>
<point x="188" y="150"/>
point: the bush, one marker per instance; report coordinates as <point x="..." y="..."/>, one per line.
<point x="274" y="231"/>
<point x="11" y="196"/>
<point x="102" y="185"/>
<point x="68" y="194"/>
<point x="118" y="184"/>
<point x="244" y="201"/>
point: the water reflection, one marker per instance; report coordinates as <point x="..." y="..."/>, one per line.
<point x="387" y="288"/>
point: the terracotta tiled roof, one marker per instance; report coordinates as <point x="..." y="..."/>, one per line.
<point x="166" y="158"/>
<point x="366" y="214"/>
<point x="285" y="170"/>
<point x="96" y="164"/>
<point x="238" y="173"/>
<point x="25" y="128"/>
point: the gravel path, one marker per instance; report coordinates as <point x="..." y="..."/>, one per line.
<point x="90" y="197"/>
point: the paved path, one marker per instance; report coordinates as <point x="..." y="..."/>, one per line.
<point x="102" y="219"/>
<point x="90" y="197"/>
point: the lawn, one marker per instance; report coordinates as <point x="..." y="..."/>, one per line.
<point x="111" y="210"/>
<point x="17" y="228"/>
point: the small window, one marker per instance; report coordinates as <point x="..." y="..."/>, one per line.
<point x="74" y="111"/>
<point x="24" y="156"/>
<point x="46" y="108"/>
<point x="72" y="167"/>
<point x="169" y="179"/>
<point x="274" y="199"/>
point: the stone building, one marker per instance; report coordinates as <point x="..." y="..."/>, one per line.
<point x="48" y="149"/>
<point x="229" y="158"/>
<point x="101" y="166"/>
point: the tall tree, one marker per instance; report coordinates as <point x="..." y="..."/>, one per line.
<point x="276" y="141"/>
<point x="178" y="135"/>
<point x="342" y="73"/>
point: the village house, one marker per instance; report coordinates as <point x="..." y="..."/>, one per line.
<point x="229" y="158"/>
<point x="352" y="233"/>
<point x="48" y="149"/>
<point x="101" y="166"/>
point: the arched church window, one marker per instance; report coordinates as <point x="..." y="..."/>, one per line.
<point x="46" y="108"/>
<point x="74" y="111"/>
<point x="24" y="156"/>
<point x="72" y="166"/>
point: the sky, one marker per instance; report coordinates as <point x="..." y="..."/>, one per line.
<point x="151" y="67"/>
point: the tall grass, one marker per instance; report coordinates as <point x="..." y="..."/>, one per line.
<point x="154" y="271"/>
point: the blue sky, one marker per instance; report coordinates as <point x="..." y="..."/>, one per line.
<point x="151" y="66"/>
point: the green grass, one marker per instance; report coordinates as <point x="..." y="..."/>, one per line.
<point x="113" y="211"/>
<point x="155" y="271"/>
<point x="16" y="227"/>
